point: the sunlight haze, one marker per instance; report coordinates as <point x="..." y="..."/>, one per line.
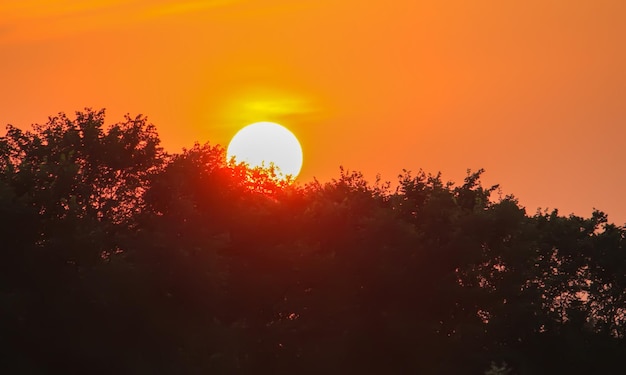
<point x="532" y="91"/>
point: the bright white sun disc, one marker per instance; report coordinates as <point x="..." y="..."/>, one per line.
<point x="262" y="143"/>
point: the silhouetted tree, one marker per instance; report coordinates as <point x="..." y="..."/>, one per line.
<point x="70" y="192"/>
<point x="119" y="258"/>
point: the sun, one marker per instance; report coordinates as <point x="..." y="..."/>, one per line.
<point x="263" y="143"/>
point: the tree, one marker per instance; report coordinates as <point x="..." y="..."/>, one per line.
<point x="119" y="254"/>
<point x="79" y="186"/>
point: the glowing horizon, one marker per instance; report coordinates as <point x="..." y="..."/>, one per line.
<point x="533" y="92"/>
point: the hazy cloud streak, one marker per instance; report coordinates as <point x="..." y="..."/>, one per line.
<point x="39" y="20"/>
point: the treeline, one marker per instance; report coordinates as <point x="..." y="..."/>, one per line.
<point x="119" y="258"/>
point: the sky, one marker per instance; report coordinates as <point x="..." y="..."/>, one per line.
<point x="532" y="91"/>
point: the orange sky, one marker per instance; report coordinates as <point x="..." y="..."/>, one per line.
<point x="533" y="91"/>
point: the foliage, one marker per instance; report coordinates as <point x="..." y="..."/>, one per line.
<point x="494" y="369"/>
<point x="120" y="258"/>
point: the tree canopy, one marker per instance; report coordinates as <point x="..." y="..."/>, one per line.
<point x="118" y="257"/>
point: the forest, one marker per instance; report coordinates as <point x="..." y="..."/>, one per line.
<point x="117" y="257"/>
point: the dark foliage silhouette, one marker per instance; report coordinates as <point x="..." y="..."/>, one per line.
<point x="117" y="257"/>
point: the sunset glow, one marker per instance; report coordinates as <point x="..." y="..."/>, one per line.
<point x="312" y="187"/>
<point x="527" y="90"/>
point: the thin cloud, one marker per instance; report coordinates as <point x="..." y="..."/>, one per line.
<point x="174" y="8"/>
<point x="29" y="20"/>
